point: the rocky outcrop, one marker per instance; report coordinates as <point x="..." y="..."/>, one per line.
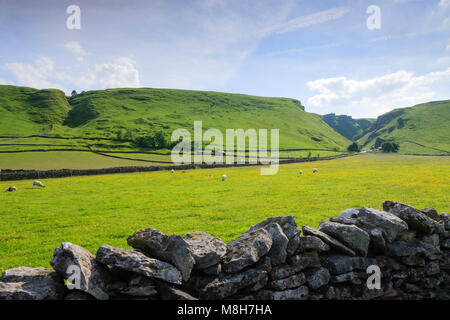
<point x="408" y="249"/>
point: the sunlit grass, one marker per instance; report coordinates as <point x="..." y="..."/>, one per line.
<point x="96" y="210"/>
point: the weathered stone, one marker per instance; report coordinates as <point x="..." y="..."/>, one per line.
<point x="415" y="219"/>
<point x="300" y="293"/>
<point x="293" y="281"/>
<point x="432" y="268"/>
<point x="445" y="244"/>
<point x="172" y="249"/>
<point x="206" y="250"/>
<point x="338" y="264"/>
<point x="407" y="236"/>
<point x="289" y="227"/>
<point x="445" y="218"/>
<point x="351" y="277"/>
<point x="296" y="264"/>
<point x="318" y="277"/>
<point x="349" y="213"/>
<point x="312" y="243"/>
<point x="94" y="277"/>
<point x="404" y="249"/>
<point x="343" y="220"/>
<point x="140" y="286"/>
<point x="376" y="239"/>
<point x="167" y="292"/>
<point x="387" y="222"/>
<point x="78" y="295"/>
<point x="338" y="293"/>
<point x="246" y="250"/>
<point x="328" y="240"/>
<point x="228" y="284"/>
<point x="415" y="260"/>
<point x="350" y="235"/>
<point x="25" y="283"/>
<point x="278" y="251"/>
<point x="431" y="213"/>
<point x="138" y="262"/>
<point x="265" y="264"/>
<point x="213" y="270"/>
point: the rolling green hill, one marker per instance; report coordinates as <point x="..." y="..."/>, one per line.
<point x="104" y="113"/>
<point x="25" y="111"/>
<point x="421" y="129"/>
<point x="347" y="126"/>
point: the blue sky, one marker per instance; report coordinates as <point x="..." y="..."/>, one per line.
<point x="320" y="52"/>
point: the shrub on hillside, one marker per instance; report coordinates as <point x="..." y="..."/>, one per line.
<point x="390" y="147"/>
<point x="353" y="147"/>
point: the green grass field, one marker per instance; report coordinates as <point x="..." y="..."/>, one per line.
<point x="95" y="210"/>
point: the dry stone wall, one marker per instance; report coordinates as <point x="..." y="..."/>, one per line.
<point x="273" y="260"/>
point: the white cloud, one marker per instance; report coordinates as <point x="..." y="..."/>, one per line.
<point x="372" y="97"/>
<point x="444" y="3"/>
<point x="119" y="73"/>
<point x="35" y="75"/>
<point x="308" y="20"/>
<point x="76" y="49"/>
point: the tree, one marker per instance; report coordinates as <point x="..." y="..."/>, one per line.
<point x="74" y="93"/>
<point x="353" y="147"/>
<point x="390" y="147"/>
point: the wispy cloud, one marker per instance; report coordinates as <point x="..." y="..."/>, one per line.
<point x="308" y="20"/>
<point x="76" y="49"/>
<point x="444" y="3"/>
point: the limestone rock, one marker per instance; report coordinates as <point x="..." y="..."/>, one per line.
<point x="387" y="222"/>
<point x="349" y="213"/>
<point x="296" y="264"/>
<point x="246" y="250"/>
<point x="300" y="293"/>
<point x="415" y="219"/>
<point x="339" y="264"/>
<point x="293" y="281"/>
<point x="318" y="277"/>
<point x="171" y="249"/>
<point x="289" y="227"/>
<point x="94" y="276"/>
<point x="328" y="240"/>
<point x="206" y="250"/>
<point x="350" y="235"/>
<point x="312" y="243"/>
<point x="139" y="263"/>
<point x="25" y="283"/>
<point x="228" y="284"/>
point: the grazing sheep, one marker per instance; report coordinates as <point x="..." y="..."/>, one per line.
<point x="38" y="184"/>
<point x="172" y="171"/>
<point x="224" y="176"/>
<point x="11" y="189"/>
<point x="209" y="175"/>
<point x="301" y="172"/>
<point x="315" y="170"/>
<point x="184" y="171"/>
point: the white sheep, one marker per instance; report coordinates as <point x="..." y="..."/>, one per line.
<point x="301" y="172"/>
<point x="315" y="170"/>
<point x="172" y="171"/>
<point x="224" y="176"/>
<point x="11" y="189"/>
<point x="38" y="184"/>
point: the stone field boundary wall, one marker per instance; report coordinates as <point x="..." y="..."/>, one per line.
<point x="273" y="260"/>
<point x="10" y="175"/>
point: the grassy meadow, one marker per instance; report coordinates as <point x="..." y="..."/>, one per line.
<point x="95" y="210"/>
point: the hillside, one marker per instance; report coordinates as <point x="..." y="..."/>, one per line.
<point x="347" y="126"/>
<point x="103" y="113"/>
<point x="25" y="111"/>
<point x="422" y="129"/>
